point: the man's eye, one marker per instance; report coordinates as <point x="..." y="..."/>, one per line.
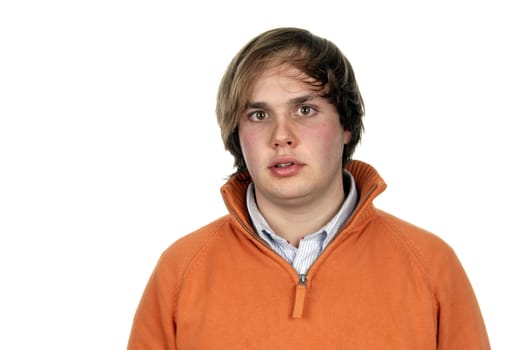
<point x="306" y="110"/>
<point x="257" y="115"/>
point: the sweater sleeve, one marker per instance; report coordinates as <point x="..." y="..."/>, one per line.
<point x="460" y="323"/>
<point x="154" y="325"/>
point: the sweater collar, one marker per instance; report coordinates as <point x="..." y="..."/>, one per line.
<point x="368" y="182"/>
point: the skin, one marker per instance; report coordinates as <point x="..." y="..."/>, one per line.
<point x="292" y="142"/>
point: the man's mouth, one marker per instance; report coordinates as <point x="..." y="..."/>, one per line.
<point x="283" y="165"/>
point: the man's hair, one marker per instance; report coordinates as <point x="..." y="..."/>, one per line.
<point x="316" y="57"/>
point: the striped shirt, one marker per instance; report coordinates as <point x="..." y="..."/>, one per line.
<point x="310" y="246"/>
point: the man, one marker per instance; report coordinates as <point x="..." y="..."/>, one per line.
<point x="303" y="260"/>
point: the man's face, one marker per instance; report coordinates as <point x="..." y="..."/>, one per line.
<point x="292" y="140"/>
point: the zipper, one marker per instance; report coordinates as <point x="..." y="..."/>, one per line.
<point x="299" y="297"/>
<point x="301" y="286"/>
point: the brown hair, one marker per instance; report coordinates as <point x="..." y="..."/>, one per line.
<point x="317" y="57"/>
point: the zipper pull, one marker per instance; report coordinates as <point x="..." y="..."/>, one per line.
<point x="299" y="298"/>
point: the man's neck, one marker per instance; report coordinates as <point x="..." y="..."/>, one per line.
<point x="292" y="222"/>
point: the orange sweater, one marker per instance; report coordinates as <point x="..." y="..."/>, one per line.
<point x="381" y="284"/>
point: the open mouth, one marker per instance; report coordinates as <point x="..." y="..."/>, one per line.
<point x="283" y="165"/>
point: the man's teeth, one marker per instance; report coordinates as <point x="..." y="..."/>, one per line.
<point x="283" y="165"/>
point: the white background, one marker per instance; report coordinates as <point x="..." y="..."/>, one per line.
<point x="109" y="148"/>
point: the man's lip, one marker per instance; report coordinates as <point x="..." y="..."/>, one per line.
<point x="284" y="160"/>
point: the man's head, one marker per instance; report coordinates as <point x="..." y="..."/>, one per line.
<point x="316" y="57"/>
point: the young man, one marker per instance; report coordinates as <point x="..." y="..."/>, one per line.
<point x="303" y="260"/>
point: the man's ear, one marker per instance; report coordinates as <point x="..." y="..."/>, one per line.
<point x="346" y="136"/>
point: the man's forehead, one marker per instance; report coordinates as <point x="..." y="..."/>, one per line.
<point x="284" y="69"/>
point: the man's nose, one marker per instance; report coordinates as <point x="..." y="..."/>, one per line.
<point x="283" y="134"/>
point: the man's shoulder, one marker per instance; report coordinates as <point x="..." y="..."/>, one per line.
<point x="428" y="249"/>
<point x="188" y="247"/>
<point x="196" y="240"/>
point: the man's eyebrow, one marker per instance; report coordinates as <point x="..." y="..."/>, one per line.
<point x="257" y="105"/>
<point x="302" y="99"/>
<point x="293" y="101"/>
